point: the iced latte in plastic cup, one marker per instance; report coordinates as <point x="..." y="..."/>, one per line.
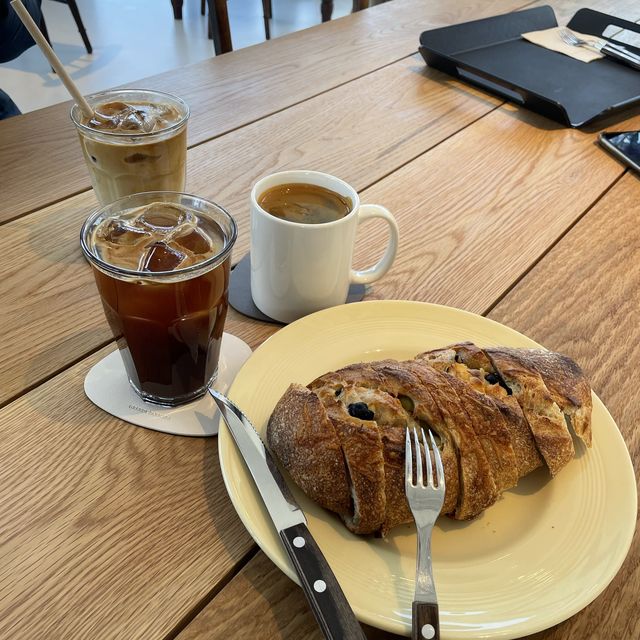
<point x="136" y="141"/>
<point x="161" y="262"/>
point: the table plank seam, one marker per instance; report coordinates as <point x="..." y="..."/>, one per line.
<point x="222" y="133"/>
<point x="431" y="148"/>
<point x="298" y="102"/>
<point x="552" y="245"/>
<point x="55" y="373"/>
<point x="188" y="618"/>
<point x="245" y="124"/>
<point x="24" y="214"/>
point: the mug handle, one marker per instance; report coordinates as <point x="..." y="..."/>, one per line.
<point x="376" y="272"/>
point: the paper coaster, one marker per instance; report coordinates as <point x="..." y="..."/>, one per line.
<point x="107" y="386"/>
<point x="240" y="292"/>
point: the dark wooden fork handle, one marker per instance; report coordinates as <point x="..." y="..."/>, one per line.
<point x="425" y="625"/>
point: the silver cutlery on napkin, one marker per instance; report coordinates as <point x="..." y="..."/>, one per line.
<point x="605" y="47"/>
<point x="425" y="500"/>
<point x="328" y="602"/>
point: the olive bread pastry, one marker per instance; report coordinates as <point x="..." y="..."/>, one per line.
<point x="497" y="413"/>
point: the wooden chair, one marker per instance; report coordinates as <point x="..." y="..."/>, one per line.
<point x="76" y="16"/>
<point x="326" y="10"/>
<point x="219" y="28"/>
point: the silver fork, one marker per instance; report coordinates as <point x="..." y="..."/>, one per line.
<point x="603" y="46"/>
<point x="425" y="501"/>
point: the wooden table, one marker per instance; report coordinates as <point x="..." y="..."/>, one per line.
<point x="111" y="531"/>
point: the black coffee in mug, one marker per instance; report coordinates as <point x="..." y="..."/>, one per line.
<point x="305" y="203"/>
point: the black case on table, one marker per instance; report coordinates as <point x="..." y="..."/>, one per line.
<point x="491" y="53"/>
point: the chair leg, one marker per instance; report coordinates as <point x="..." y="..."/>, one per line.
<point x="76" y="16"/>
<point x="214" y="29"/>
<point x="267" y="12"/>
<point x="326" y="9"/>
<point x="43" y="28"/>
<point x="219" y="28"/>
<point x="177" y="9"/>
<point x="45" y="33"/>
<point x="359" y="5"/>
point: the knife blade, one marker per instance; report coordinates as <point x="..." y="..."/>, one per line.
<point x="622" y="54"/>
<point x="328" y="602"/>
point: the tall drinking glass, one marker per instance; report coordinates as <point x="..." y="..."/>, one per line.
<point x="135" y="142"/>
<point x="161" y="261"/>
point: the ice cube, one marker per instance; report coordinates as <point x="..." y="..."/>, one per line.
<point x="162" y="216"/>
<point x="150" y="124"/>
<point x="108" y="115"/>
<point x="103" y="122"/>
<point x="162" y="257"/>
<point x="110" y="109"/>
<point x="191" y="238"/>
<point x="164" y="114"/>
<point x="120" y="233"/>
<point x="162" y="110"/>
<point x="151" y="120"/>
<point x="132" y="119"/>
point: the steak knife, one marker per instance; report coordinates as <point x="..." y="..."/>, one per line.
<point x="328" y="602"/>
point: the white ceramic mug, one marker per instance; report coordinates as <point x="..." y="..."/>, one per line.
<point x="299" y="268"/>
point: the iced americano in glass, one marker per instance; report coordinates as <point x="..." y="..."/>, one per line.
<point x="161" y="262"/>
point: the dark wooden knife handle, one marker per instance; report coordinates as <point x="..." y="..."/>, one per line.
<point x="328" y="603"/>
<point x="425" y="621"/>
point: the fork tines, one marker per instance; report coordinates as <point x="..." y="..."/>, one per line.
<point x="570" y="38"/>
<point x="413" y="449"/>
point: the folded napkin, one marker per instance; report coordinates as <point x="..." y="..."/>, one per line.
<point x="550" y="39"/>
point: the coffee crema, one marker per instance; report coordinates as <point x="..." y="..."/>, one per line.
<point x="305" y="203"/>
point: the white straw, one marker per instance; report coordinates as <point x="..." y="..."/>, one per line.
<point x="31" y="26"/>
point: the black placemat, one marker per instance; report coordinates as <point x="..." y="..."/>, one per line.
<point x="240" y="292"/>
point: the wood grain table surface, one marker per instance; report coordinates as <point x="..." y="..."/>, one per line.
<point x="109" y="531"/>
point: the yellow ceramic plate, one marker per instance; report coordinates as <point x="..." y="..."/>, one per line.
<point x="535" y="558"/>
